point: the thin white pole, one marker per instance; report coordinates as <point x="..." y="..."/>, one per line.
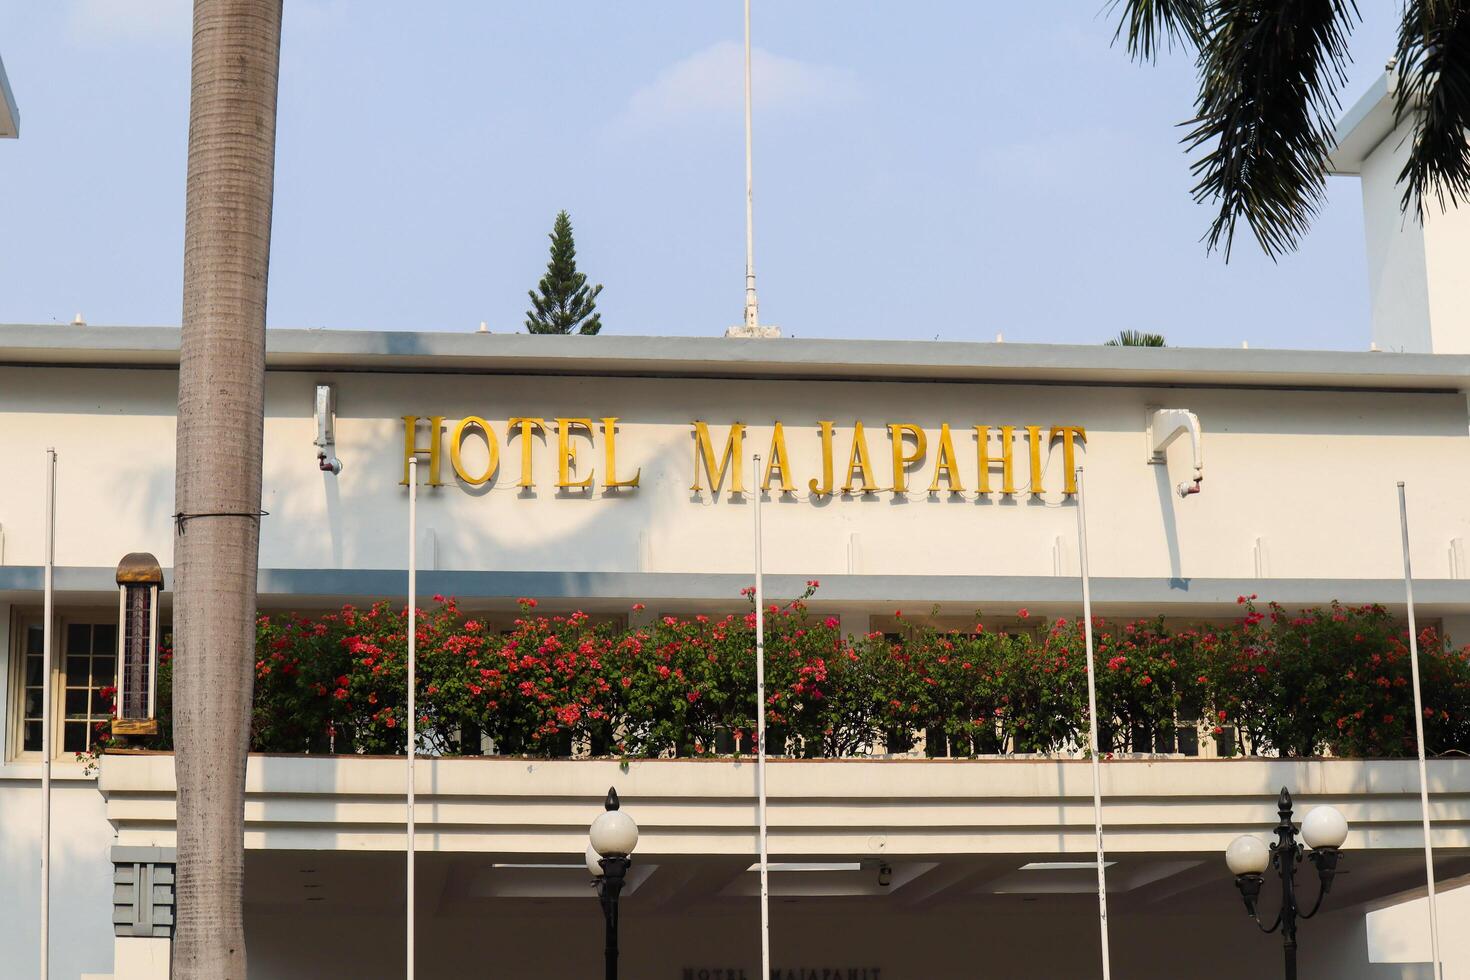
<point x="752" y="306"/>
<point x="1419" y="735"/>
<point x="1102" y="883"/>
<point x="48" y="604"/>
<point x="413" y="496"/>
<point x="760" y="727"/>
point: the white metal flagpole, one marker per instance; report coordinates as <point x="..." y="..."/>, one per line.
<point x="1419" y="735"/>
<point x="760" y="730"/>
<point x="752" y="306"/>
<point x="1102" y="883"/>
<point x="413" y="486"/>
<point x="48" y="606"/>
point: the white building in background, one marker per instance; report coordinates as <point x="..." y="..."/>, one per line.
<point x="9" y="114"/>
<point x="939" y="869"/>
<point x="1417" y="282"/>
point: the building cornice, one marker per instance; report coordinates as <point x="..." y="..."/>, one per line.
<point x="352" y="351"/>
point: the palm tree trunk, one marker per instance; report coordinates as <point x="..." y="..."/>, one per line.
<point x="227" y="224"/>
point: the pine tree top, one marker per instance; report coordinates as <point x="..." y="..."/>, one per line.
<point x="565" y="304"/>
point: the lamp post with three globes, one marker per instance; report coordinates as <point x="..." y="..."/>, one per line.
<point x="1323" y="831"/>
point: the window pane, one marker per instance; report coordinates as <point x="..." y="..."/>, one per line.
<point x="77" y="671"/>
<point x="75" y="737"/>
<point x="76" y="704"/>
<point x="88" y="661"/>
<point x="35" y="640"/>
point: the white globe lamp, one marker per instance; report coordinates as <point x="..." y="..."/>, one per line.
<point x="613" y="833"/>
<point x="1247" y="855"/>
<point x="1324" y="828"/>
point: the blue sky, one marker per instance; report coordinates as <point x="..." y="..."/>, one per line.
<point x="940" y="169"/>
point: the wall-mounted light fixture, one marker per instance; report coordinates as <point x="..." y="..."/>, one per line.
<point x="326" y="436"/>
<point x="139" y="579"/>
<point x="1161" y="427"/>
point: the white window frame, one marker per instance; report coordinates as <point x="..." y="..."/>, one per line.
<point x="22" y="618"/>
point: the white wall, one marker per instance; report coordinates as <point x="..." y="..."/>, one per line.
<point x="1310" y="474"/>
<point x="81" y="876"/>
<point x="1417" y="283"/>
<point x="1400" y="933"/>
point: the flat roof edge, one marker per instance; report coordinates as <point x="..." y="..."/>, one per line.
<point x="348" y="351"/>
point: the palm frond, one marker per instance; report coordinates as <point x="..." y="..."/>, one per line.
<point x="1155" y="24"/>
<point x="1434" y="84"/>
<point x="1269" y="74"/>
<point x="1136" y="338"/>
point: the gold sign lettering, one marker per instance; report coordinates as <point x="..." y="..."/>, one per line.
<point x="1033" y="439"/>
<point x="609" y="447"/>
<point x="456" y="439"/>
<point x="778" y="461"/>
<point x="826" y="488"/>
<point x="411" y="448"/>
<point x="724" y="471"/>
<point x="948" y="467"/>
<point x="1005" y="459"/>
<point x="704" y="452"/>
<point x="528" y="442"/>
<point x="566" y="454"/>
<point x="860" y="462"/>
<point x="1071" y="435"/>
<point x="901" y="460"/>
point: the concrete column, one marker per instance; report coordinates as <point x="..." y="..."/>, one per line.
<point x="142" y="912"/>
<point x="141" y="958"/>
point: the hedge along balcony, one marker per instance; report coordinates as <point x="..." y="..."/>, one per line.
<point x="1327" y="681"/>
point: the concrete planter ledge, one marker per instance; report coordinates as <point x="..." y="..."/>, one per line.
<point x="859" y="806"/>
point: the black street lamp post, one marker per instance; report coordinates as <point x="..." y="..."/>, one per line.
<point x="1324" y="831"/>
<point x="613" y="835"/>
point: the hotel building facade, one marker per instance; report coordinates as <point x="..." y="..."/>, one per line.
<point x="608" y="473"/>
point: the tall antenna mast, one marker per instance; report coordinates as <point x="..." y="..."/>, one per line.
<point x="751" y="327"/>
<point x="752" y="305"/>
